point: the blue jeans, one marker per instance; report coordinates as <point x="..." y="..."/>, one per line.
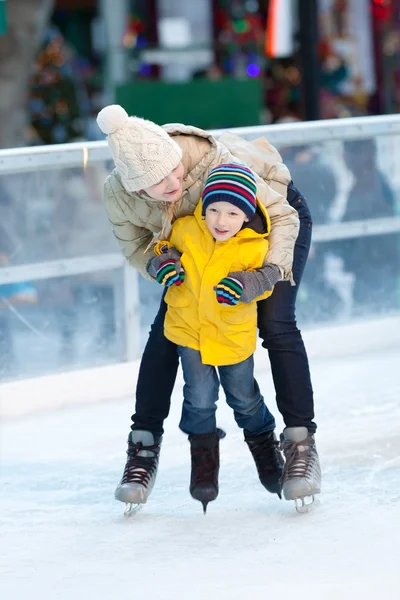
<point x="200" y="395"/>
<point x="280" y="335"/>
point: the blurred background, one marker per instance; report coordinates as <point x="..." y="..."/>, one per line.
<point x="209" y="63"/>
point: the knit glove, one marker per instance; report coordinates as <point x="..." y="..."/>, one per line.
<point x="229" y="291"/>
<point x="166" y="268"/>
<point x="256" y="283"/>
<point x="168" y="274"/>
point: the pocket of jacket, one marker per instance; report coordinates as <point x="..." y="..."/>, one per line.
<point x="241" y="314"/>
<point x="178" y="297"/>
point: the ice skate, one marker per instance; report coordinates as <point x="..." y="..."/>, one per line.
<point x="269" y="460"/>
<point x="140" y="470"/>
<point x="301" y="479"/>
<point x="204" y="450"/>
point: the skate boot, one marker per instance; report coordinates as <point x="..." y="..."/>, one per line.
<point x="301" y="477"/>
<point x="204" y="450"/>
<point x="140" y="470"/>
<point x="268" y="459"/>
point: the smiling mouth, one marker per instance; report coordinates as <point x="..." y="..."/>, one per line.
<point x="220" y="231"/>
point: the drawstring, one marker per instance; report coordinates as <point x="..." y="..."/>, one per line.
<point x="170" y="208"/>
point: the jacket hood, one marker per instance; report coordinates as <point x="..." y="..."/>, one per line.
<point x="180" y="129"/>
<point x="262" y="157"/>
<point x="199" y="148"/>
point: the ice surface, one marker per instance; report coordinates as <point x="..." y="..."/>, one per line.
<point x="63" y="536"/>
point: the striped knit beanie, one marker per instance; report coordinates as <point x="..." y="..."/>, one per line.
<point x="231" y="183"/>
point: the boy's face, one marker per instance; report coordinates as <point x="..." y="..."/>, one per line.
<point x="224" y="220"/>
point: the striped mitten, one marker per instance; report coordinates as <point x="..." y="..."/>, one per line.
<point x="228" y="291"/>
<point x="168" y="275"/>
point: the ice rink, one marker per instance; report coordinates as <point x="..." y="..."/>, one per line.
<point x="63" y="536"/>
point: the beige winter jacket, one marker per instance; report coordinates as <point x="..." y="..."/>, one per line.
<point x="135" y="218"/>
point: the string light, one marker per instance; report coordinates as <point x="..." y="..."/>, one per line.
<point x="253" y="70"/>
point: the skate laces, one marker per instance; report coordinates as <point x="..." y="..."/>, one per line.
<point x="139" y="469"/>
<point x="298" y="457"/>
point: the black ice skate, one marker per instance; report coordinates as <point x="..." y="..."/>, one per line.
<point x="268" y="459"/>
<point x="204" y="450"/>
<point x="140" y="470"/>
<point x="301" y="478"/>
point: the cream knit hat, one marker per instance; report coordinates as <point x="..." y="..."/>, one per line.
<point x="142" y="151"/>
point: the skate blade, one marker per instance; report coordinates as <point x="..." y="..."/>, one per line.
<point x="304" y="504"/>
<point x="131" y="509"/>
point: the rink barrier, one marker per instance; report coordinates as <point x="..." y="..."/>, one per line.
<point x="102" y="262"/>
<point x="83" y="153"/>
<point x="116" y="382"/>
<point x="286" y="134"/>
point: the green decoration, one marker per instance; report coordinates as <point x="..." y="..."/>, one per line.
<point x="3" y="17"/>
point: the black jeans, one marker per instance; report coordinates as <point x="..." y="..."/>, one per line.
<point x="277" y="329"/>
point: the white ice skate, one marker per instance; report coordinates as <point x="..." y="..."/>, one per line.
<point x="140" y="471"/>
<point x="301" y="479"/>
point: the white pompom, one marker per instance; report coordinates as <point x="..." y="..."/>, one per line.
<point x="111" y="118"/>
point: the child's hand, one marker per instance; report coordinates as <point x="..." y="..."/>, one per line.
<point x="256" y="283"/>
<point x="228" y="291"/>
<point x="166" y="268"/>
<point x="170" y="272"/>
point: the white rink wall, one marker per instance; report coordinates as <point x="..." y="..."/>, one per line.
<point x="118" y="381"/>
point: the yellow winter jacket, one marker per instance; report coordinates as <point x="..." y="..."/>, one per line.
<point x="223" y="334"/>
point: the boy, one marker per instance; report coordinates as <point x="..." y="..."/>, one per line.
<point x="228" y="232"/>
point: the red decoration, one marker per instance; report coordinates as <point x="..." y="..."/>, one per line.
<point x="382" y="10"/>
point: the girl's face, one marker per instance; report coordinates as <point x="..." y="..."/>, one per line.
<point x="224" y="220"/>
<point x="170" y="188"/>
